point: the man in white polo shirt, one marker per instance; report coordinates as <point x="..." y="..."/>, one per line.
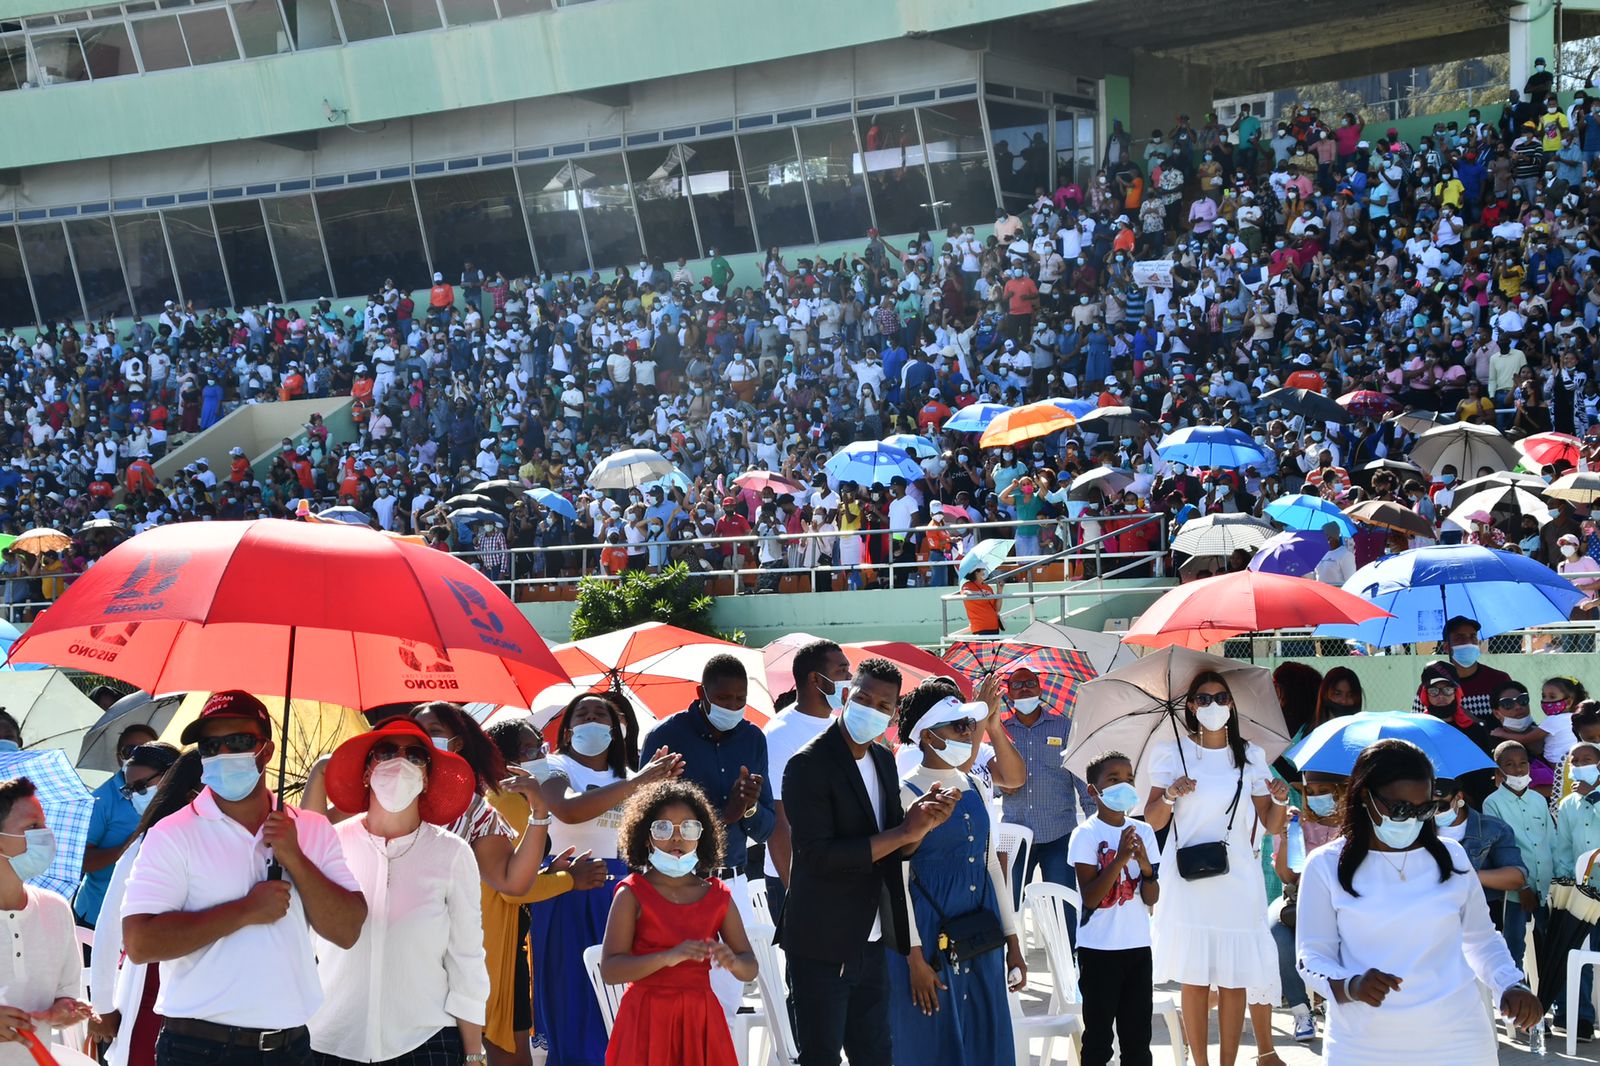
<point x="238" y="977"/>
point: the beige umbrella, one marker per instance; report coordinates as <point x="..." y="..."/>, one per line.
<point x="1579" y="486"/>
<point x="39" y="540"/>
<point x="52" y="711"/>
<point x="1466" y="447"/>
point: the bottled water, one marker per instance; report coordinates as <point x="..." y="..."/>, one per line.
<point x="1297" y="844"/>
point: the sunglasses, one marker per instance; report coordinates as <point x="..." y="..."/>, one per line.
<point x="689" y="829"/>
<point x="1403" y="810"/>
<point x="1206" y="699"/>
<point x="130" y="791"/>
<point x="232" y="743"/>
<point x="125" y="752"/>
<point x="962" y="728"/>
<point x="1506" y="703"/>
<point x="1443" y="685"/>
<point x="411" y="753"/>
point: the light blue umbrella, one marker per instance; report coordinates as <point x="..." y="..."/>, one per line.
<point x="1075" y="408"/>
<point x="8" y="636"/>
<point x="1332" y="747"/>
<point x="921" y="447"/>
<point x="551" y="500"/>
<point x="1213" y="447"/>
<point x="350" y="516"/>
<point x="975" y="418"/>
<point x="871" y="462"/>
<point x="1424" y="587"/>
<point x="986" y="555"/>
<point x="677" y="479"/>
<point x="1299" y="511"/>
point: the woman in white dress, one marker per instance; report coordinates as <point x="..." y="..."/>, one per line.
<point x="1393" y="930"/>
<point x="1211" y="932"/>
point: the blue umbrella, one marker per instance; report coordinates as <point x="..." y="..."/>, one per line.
<point x="1299" y="511"/>
<point x="985" y="555"/>
<point x="676" y="479"/>
<point x="871" y="462"/>
<point x="1214" y="447"/>
<point x="551" y="500"/>
<point x="350" y="516"/>
<point x="921" y="447"/>
<point x="975" y="418"/>
<point x="1295" y="552"/>
<point x="8" y="636"/>
<point x="1075" y="408"/>
<point x="67" y="805"/>
<point x="1332" y="747"/>
<point x="1424" y="587"/>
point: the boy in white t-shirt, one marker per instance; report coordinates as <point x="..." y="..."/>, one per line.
<point x="1117" y="881"/>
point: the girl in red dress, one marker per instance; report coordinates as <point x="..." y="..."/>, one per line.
<point x="668" y="926"/>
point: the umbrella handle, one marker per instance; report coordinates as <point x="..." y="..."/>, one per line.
<point x="274" y="870"/>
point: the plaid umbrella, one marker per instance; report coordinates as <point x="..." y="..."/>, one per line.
<point x="1060" y="670"/>
<point x="67" y="806"/>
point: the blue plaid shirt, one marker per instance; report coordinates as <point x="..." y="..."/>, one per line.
<point x="68" y="806"/>
<point x="1053" y="801"/>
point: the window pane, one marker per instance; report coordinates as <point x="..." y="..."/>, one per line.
<point x="959" y="163"/>
<point x="293" y="225"/>
<point x="53" y="284"/>
<point x="608" y="210"/>
<point x="364" y="19"/>
<point x="311" y="23"/>
<point x="412" y="16"/>
<point x="244" y="246"/>
<point x="60" y="58"/>
<point x="13" y="61"/>
<point x="476" y="217"/>
<point x="509" y="8"/>
<point x="194" y="250"/>
<point x="552" y="210"/>
<point x="210" y="37"/>
<point x="893" y="163"/>
<point x="16" y="303"/>
<point x="464" y="12"/>
<point x="260" y="28"/>
<point x="108" y="50"/>
<point x="99" y="270"/>
<point x="662" y="188"/>
<point x="160" y="43"/>
<point x="1021" y="151"/>
<point x="717" y="185"/>
<point x="838" y="192"/>
<point x="144" y="257"/>
<point x="777" y="192"/>
<point x="372" y="234"/>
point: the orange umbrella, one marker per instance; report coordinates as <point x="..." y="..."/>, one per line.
<point x="1025" y="423"/>
<point x="1201" y="613"/>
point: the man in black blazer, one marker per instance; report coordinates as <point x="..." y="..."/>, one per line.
<point x="846" y="900"/>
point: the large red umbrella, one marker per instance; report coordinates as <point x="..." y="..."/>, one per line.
<point x="315" y="611"/>
<point x="1201" y="613"/>
<point x="658" y="666"/>
<point x="1368" y="402"/>
<point x="1542" y="449"/>
<point x="916" y="665"/>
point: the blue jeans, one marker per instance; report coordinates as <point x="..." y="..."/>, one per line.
<point x="1053" y="866"/>
<point x="1514" y="925"/>
<point x="1294" y="989"/>
<point x="1585" y="988"/>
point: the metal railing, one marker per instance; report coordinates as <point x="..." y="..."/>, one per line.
<point x="1554" y="637"/>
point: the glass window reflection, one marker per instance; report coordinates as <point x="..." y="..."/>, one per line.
<point x="716" y="184"/>
<point x="145" y="261"/>
<point x="371" y="234"/>
<point x="209" y="36"/>
<point x="311" y="23"/>
<point x="661" y="186"/>
<point x="414" y="16"/>
<point x="465" y="12"/>
<point x="15" y="299"/>
<point x="243" y="236"/>
<point x="194" y="251"/>
<point x="510" y="8"/>
<point x="895" y="176"/>
<point x="773" y="175"/>
<point x="54" y="286"/>
<point x="109" y="50"/>
<point x="59" y="58"/>
<point x="838" y="191"/>
<point x="476" y="217"/>
<point x="608" y="212"/>
<point x="99" y="269"/>
<point x="1021" y="151"/>
<point x="292" y="221"/>
<point x="959" y="161"/>
<point x="160" y="43"/>
<point x="260" y="28"/>
<point x="364" y="19"/>
<point x="551" y="204"/>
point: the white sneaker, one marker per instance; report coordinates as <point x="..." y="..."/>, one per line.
<point x="1305" y="1026"/>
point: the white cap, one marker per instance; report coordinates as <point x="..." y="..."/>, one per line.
<point x="438" y="277"/>
<point x="1111" y="379"/>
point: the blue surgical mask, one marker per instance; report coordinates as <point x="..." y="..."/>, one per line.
<point x="1396" y="832"/>
<point x="1322" y="806"/>
<point x="723" y="718"/>
<point x="232" y="777"/>
<point x="10" y="745"/>
<point x="591" y="738"/>
<point x="38" y="856"/>
<point x="865" y="724"/>
<point x="834" y="698"/>
<point x="1120" y="797"/>
<point x="1447" y="479"/>
<point x="1465" y="654"/>
<point x="955" y="753"/>
<point x="538" y="769"/>
<point x="442" y="743"/>
<point x="674" y="865"/>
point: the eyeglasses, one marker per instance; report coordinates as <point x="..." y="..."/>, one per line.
<point x="964" y="727"/>
<point x="689" y="829"/>
<point x="386" y="750"/>
<point x="1446" y="685"/>
<point x="232" y="743"/>
<point x="1206" y="699"/>
<point x="1506" y="703"/>
<point x="1402" y="810"/>
<point x="130" y="791"/>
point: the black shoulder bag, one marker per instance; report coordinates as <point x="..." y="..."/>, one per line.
<point x="1196" y="862"/>
<point x="966" y="936"/>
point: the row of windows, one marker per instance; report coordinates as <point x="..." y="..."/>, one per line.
<point x="901" y="171"/>
<point x="114" y="40"/>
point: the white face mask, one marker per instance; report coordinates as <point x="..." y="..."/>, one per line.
<point x="1025" y="704"/>
<point x="1519" y="783"/>
<point x="396" y="784"/>
<point x="1214" y="717"/>
<point x="1569" y="550"/>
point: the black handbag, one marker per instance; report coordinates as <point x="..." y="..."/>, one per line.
<point x="1196" y="862"/>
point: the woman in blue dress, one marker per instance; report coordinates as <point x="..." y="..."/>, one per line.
<point x="943" y="1013"/>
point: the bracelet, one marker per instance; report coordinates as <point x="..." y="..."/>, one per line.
<point x="1350" y="985"/>
<point x="546" y="820"/>
<point x="1276" y="802"/>
<point x="1166" y="796"/>
<point x="480" y="1057"/>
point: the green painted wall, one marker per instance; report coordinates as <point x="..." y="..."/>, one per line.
<point x="1390" y="682"/>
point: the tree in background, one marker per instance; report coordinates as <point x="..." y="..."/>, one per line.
<point x="673" y="596"/>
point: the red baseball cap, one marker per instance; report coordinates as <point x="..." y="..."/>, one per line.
<point x="229" y="704"/>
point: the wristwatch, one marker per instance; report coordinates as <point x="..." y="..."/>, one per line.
<point x="750" y="811"/>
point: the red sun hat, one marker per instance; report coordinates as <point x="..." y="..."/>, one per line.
<point x="451" y="782"/>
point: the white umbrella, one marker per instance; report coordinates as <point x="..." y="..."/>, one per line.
<point x="1501" y="503"/>
<point x="1500" y="479"/>
<point x="1104" y="651"/>
<point x="1465" y="446"/>
<point x="630" y="469"/>
<point x="1220" y="534"/>
<point x="52" y="711"/>
<point x="1106" y="480"/>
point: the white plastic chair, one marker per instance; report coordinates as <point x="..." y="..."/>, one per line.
<point x="1025" y="1028"/>
<point x="610" y="999"/>
<point x="1048" y="903"/>
<point x="77" y="1036"/>
<point x="1014" y="843"/>
<point x="779" y="1046"/>
<point x="1575" y="964"/>
<point x="759" y="902"/>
